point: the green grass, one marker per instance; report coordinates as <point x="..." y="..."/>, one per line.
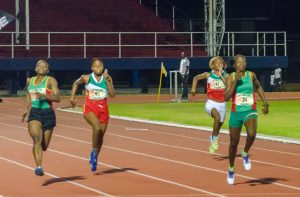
<point x="283" y="119"/>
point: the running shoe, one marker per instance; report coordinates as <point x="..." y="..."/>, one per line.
<point x="93" y="160"/>
<point x="39" y="171"/>
<point x="230" y="177"/>
<point x="246" y="160"/>
<point x="214" y="145"/>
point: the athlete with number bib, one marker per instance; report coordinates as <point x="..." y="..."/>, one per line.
<point x="98" y="86"/>
<point x="42" y="90"/>
<point x="240" y="87"/>
<point x="215" y="105"/>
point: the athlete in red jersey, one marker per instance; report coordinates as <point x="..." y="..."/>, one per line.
<point x="215" y="105"/>
<point x="98" y="86"/>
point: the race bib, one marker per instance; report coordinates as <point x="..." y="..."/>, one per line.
<point x="33" y="96"/>
<point x="217" y="84"/>
<point x="244" y="99"/>
<point x="97" y="94"/>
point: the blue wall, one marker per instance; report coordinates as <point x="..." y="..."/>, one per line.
<point x="138" y="67"/>
<point x="137" y="63"/>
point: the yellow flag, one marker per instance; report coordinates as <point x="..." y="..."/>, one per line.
<point x="163" y="70"/>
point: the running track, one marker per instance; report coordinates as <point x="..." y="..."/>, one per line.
<point x="137" y="159"/>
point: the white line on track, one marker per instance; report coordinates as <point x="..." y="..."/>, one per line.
<point x="130" y="171"/>
<point x="156" y="157"/>
<point x="183" y="148"/>
<point x="52" y="175"/>
<point x="171" y="134"/>
<point x="166" y="145"/>
<point x="263" y="137"/>
<point x="179" y="162"/>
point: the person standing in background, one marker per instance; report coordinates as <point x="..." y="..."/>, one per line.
<point x="278" y="78"/>
<point x="184" y="73"/>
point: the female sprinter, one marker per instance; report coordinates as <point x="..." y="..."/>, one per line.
<point x="42" y="90"/>
<point x="215" y="105"/>
<point x="98" y="85"/>
<point x="240" y="87"/>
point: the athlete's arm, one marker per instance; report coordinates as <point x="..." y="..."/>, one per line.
<point x="261" y="93"/>
<point x="196" y="79"/>
<point x="231" y="84"/>
<point x="109" y="82"/>
<point x="82" y="80"/>
<point x="28" y="103"/>
<point x="52" y="85"/>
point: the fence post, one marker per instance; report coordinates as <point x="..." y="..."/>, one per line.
<point x="192" y="51"/>
<point x="275" y="43"/>
<point x="120" y="49"/>
<point x="84" y="44"/>
<point x="155" y="44"/>
<point x="49" y="43"/>
<point x="12" y="45"/>
<point x="173" y="17"/>
<point x="156" y="8"/>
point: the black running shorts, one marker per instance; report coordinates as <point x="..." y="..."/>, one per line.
<point x="45" y="116"/>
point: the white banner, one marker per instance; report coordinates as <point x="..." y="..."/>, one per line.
<point x="5" y="19"/>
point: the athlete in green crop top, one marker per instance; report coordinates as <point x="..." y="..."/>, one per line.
<point x="240" y="87"/>
<point x="42" y="90"/>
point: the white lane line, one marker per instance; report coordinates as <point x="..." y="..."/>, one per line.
<point x="192" y="138"/>
<point x="207" y="140"/>
<point x="179" y="162"/>
<point x="259" y="136"/>
<point x="183" y="148"/>
<point x="135" y="129"/>
<point x="225" y="131"/>
<point x="228" y="194"/>
<point x="130" y="171"/>
<point x="166" y="145"/>
<point x="156" y="157"/>
<point x="170" y="160"/>
<point x="54" y="176"/>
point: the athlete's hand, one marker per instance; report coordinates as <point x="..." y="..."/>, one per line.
<point x="73" y="102"/>
<point x="40" y="95"/>
<point x="238" y="75"/>
<point x="105" y="73"/>
<point x="24" y="115"/>
<point x="193" y="91"/>
<point x="265" y="109"/>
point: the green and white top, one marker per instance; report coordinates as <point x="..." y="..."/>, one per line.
<point x="33" y="88"/>
<point x="244" y="98"/>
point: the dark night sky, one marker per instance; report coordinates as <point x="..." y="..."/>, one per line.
<point x="281" y="15"/>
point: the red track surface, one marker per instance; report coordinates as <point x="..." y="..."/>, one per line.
<point x="137" y="160"/>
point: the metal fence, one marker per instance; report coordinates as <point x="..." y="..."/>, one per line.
<point x="153" y="43"/>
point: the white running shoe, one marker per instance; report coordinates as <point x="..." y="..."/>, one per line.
<point x="230" y="177"/>
<point x="246" y="161"/>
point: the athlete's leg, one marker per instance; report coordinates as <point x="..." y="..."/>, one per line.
<point x="214" y="145"/>
<point x="103" y="127"/>
<point x="217" y="122"/>
<point x="35" y="131"/>
<point x="234" y="142"/>
<point x="251" y="127"/>
<point x="92" y="119"/>
<point x="46" y="139"/>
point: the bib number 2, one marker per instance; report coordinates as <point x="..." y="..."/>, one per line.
<point x="244" y="99"/>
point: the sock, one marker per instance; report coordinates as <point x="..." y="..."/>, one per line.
<point x="244" y="153"/>
<point x="215" y="137"/>
<point x="231" y="168"/>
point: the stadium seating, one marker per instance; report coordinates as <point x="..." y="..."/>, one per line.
<point x="95" y="16"/>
